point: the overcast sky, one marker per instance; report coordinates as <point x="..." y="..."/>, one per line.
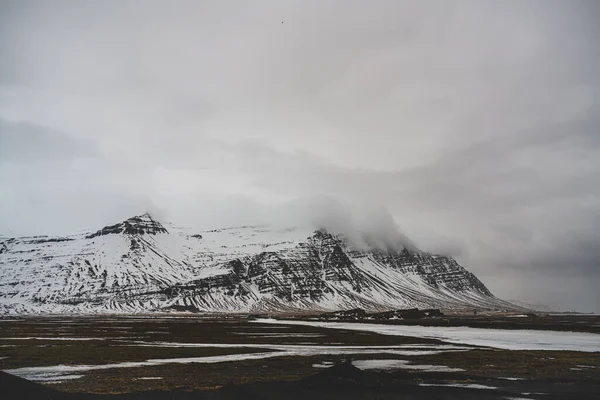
<point x="472" y="125"/>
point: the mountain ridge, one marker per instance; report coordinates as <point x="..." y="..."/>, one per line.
<point x="142" y="265"/>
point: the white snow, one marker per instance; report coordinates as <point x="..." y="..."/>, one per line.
<point x="51" y="377"/>
<point x="311" y="349"/>
<point x="58" y="371"/>
<point x="278" y="335"/>
<point x="496" y="338"/>
<point x="211" y="271"/>
<point x="460" y="385"/>
<point x="400" y="364"/>
<point x="322" y="365"/>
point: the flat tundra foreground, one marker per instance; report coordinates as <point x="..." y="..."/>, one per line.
<point x="237" y="357"/>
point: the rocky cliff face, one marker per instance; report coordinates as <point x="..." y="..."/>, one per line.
<point x="141" y="265"/>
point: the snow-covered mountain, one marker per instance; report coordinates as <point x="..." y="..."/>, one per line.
<point x="143" y="265"/>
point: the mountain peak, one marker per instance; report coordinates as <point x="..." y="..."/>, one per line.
<point x="144" y="218"/>
<point x="245" y="269"/>
<point x="139" y="225"/>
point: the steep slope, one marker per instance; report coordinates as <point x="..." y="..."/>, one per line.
<point x="325" y="273"/>
<point x="143" y="265"/>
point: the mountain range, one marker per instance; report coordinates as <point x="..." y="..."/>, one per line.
<point x="142" y="265"/>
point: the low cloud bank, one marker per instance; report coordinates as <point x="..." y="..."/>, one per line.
<point x="367" y="226"/>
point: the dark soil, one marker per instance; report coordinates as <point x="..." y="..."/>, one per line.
<point x="32" y="342"/>
<point x="340" y="382"/>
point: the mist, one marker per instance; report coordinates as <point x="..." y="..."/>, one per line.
<point x="366" y="226"/>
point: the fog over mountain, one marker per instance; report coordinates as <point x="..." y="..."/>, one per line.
<point x="466" y="128"/>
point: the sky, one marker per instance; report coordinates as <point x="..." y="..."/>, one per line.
<point x="471" y="127"/>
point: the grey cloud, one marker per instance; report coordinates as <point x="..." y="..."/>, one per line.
<point x="54" y="183"/>
<point x="26" y="143"/>
<point x="471" y="126"/>
<point x="366" y="225"/>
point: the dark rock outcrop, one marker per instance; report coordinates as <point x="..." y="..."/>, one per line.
<point x="140" y="225"/>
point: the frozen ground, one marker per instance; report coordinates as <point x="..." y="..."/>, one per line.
<point x="461" y="385"/>
<point x="400" y="364"/>
<point x="134" y="354"/>
<point x="510" y="339"/>
<point x="58" y="372"/>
